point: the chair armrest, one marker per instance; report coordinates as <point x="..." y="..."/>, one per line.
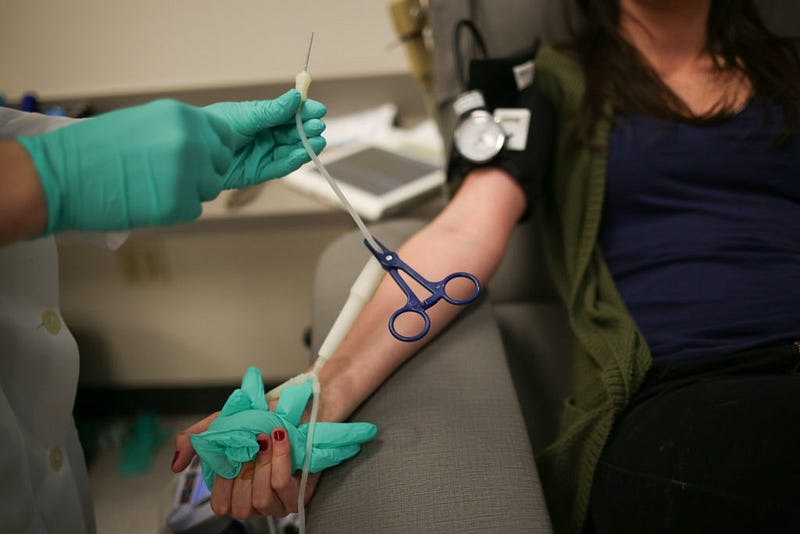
<point x="452" y="452"/>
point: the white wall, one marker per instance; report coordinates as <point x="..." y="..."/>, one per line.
<point x="234" y="298"/>
<point x="78" y="48"/>
<point x="195" y="306"/>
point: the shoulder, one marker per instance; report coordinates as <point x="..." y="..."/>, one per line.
<point x="560" y="77"/>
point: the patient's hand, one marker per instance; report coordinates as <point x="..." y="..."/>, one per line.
<point x="266" y="486"/>
<point x="184" y="452"/>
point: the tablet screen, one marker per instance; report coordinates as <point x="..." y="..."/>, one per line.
<point x="377" y="171"/>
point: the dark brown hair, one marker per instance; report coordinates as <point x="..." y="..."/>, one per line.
<point x="737" y="40"/>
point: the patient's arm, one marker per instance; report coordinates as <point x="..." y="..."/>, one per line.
<point x="469" y="235"/>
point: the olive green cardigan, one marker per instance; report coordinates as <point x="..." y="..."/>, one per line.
<point x="611" y="357"/>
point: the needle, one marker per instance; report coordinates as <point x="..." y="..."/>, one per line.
<point x="303" y="79"/>
<point x="308" y="54"/>
<point x="301" y="82"/>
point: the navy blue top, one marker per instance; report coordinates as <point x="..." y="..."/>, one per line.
<point x="701" y="231"/>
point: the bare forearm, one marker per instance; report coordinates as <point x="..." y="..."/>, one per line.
<point x="469" y="235"/>
<point x="23" y="208"/>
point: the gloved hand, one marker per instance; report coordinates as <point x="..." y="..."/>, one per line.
<point x="147" y="165"/>
<point x="230" y="439"/>
<point x="155" y="164"/>
<point x="265" y="137"/>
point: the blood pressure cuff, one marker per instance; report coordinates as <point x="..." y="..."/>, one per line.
<point x="230" y="440"/>
<point x="510" y="83"/>
<point x="501" y="79"/>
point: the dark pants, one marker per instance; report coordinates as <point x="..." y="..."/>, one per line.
<point x="706" y="446"/>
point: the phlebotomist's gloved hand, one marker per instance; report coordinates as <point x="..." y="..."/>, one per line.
<point x="265" y="137"/>
<point x="154" y="165"/>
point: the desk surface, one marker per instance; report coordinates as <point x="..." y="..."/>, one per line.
<point x="273" y="198"/>
<point x="277" y="198"/>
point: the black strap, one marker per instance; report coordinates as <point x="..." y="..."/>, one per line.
<point x="461" y="25"/>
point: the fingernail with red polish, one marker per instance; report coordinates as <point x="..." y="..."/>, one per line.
<point x="279" y="435"/>
<point x="263" y="444"/>
<point x="174" y="459"/>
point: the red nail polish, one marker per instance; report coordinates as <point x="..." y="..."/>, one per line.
<point x="263" y="444"/>
<point x="279" y="435"/>
<point x="174" y="458"/>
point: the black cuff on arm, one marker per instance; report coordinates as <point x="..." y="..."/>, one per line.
<point x="529" y="167"/>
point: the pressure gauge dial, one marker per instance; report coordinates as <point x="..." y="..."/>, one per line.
<point x="478" y="137"/>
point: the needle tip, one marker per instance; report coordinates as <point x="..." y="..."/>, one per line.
<point x="308" y="54"/>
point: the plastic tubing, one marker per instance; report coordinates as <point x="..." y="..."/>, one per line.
<point x="360" y="293"/>
<point x="324" y="172"/>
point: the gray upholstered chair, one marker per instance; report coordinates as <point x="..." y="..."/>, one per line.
<point x="453" y="453"/>
<point x="460" y="422"/>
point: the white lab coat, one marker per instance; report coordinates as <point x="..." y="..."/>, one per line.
<point x="44" y="486"/>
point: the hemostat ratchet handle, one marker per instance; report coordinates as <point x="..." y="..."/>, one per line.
<point x="391" y="263"/>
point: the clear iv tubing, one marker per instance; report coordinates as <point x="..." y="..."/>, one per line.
<point x="315" y="386"/>
<point x="365" y="284"/>
<point x="343" y="199"/>
<point x="361" y="292"/>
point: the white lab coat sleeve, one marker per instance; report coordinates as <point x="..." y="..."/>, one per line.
<point x="44" y="486"/>
<point x="14" y="123"/>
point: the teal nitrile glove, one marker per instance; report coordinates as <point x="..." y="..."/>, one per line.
<point x="265" y="137"/>
<point x="147" y="165"/>
<point x="231" y="438"/>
